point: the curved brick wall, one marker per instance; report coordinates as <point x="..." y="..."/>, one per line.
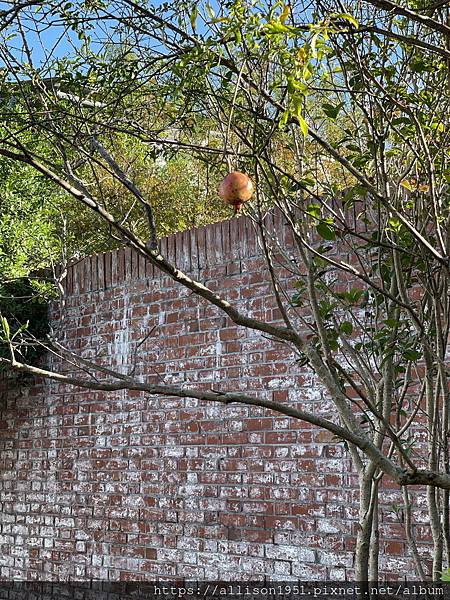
<point x="127" y="486"/>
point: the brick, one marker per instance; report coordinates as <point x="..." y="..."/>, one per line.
<point x="136" y="487"/>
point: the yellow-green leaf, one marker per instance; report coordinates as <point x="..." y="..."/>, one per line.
<point x="284" y="119"/>
<point x="6" y="329"/>
<point x="408" y="184"/>
<point x="194" y="15"/>
<point x="350" y="18"/>
<point x="219" y="20"/>
<point x="285" y="14"/>
<point x="303" y="124"/>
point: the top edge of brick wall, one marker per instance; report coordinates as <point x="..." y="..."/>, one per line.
<point x="192" y="251"/>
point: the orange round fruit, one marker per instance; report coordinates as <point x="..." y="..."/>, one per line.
<point x="235" y="189"/>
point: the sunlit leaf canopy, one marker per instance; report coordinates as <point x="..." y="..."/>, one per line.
<point x="182" y="92"/>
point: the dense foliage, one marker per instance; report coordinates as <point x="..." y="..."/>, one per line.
<point x="24" y="304"/>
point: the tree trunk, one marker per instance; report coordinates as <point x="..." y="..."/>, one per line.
<point x="366" y="514"/>
<point x="374" y="539"/>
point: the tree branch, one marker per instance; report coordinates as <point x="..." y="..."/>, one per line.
<point x="414" y="16"/>
<point x="153" y="245"/>
<point x="156" y="258"/>
<point x="358" y="439"/>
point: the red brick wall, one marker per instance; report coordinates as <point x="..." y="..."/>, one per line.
<point x="128" y="486"/>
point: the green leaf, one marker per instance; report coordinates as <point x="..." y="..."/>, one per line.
<point x="306" y="182"/>
<point x="437" y="126"/>
<point x="6" y="329"/>
<point x="194" y="15"/>
<point x="326" y="231"/>
<point x="300" y="284"/>
<point x="351" y="297"/>
<point x="325" y="309"/>
<point x="21" y="328"/>
<point x="314" y="210"/>
<point x="331" y="110"/>
<point x="346" y="327"/>
<point x="392" y="323"/>
<point x="350" y="18"/>
<point x="411" y="354"/>
<point x="297" y="299"/>
<point x="394" y="224"/>
<point x="219" y="20"/>
<point x="303" y="124"/>
<point x="333" y="344"/>
<point x="277" y="27"/>
<point x="419" y="65"/>
<point x="284" y="119"/>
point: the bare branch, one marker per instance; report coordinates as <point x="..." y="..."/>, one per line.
<point x="394" y="8"/>
<point x="132" y="187"/>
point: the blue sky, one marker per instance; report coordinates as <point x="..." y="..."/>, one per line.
<point x="43" y="39"/>
<point x="56" y="39"/>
